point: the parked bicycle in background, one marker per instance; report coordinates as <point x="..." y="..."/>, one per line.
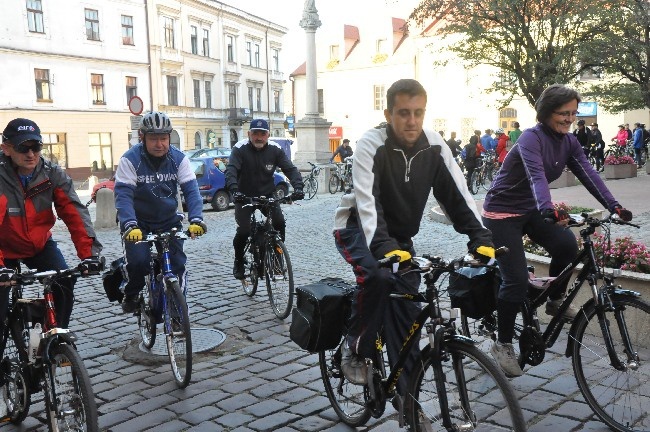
<point x="341" y="177"/>
<point x="310" y="181"/>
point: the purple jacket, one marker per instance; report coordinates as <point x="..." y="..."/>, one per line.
<point x="538" y="158"/>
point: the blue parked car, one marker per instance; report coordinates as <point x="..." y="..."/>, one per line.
<point x="212" y="183"/>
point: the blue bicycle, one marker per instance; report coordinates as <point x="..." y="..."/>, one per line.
<point x="163" y="302"/>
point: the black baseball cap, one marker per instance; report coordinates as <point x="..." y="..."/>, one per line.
<point x="20" y="130"/>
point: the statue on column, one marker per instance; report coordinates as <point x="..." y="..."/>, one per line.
<point x="310" y="15"/>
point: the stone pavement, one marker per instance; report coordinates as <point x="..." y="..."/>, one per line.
<point x="258" y="380"/>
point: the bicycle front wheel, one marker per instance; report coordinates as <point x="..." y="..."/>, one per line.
<point x="618" y="397"/>
<point x="347" y="399"/>
<point x="178" y="334"/>
<point x="334" y="184"/>
<point x="279" y="278"/>
<point x="311" y="187"/>
<point x="16" y="392"/>
<point x="70" y="403"/>
<point x="467" y="391"/>
<point x="146" y="319"/>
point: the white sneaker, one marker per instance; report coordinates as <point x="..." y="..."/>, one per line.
<point x="552" y="307"/>
<point x="504" y="354"/>
<point x="353" y="366"/>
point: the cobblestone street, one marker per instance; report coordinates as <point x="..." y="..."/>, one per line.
<point x="258" y="380"/>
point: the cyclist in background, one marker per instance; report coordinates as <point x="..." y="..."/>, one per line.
<point x="344" y="150"/>
<point x="29" y="187"/>
<point x="249" y="173"/>
<point x="396" y="168"/>
<point x="146" y="184"/>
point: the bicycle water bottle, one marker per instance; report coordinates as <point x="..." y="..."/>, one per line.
<point x="34" y="341"/>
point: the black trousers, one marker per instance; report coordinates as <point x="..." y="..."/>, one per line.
<point x="243" y="220"/>
<point x="374" y="315"/>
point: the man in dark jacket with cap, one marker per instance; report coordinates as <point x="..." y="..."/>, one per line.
<point x="250" y="174"/>
<point x="584" y="137"/>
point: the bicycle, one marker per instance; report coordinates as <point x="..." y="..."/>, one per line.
<point x="162" y="301"/>
<point x="454" y="386"/>
<point x="484" y="172"/>
<point x="311" y="181"/>
<point x="608" y="342"/>
<point x="40" y="356"/>
<point x="341" y="177"/>
<point x="266" y="254"/>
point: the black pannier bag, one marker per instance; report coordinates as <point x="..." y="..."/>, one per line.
<point x="319" y="318"/>
<point x="112" y="279"/>
<point x="474" y="290"/>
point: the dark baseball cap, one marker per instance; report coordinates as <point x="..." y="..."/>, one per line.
<point x="20" y="130"/>
<point x="260" y="124"/>
<point x="581" y="122"/>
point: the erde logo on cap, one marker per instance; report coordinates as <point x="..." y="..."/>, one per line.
<point x="25" y="128"/>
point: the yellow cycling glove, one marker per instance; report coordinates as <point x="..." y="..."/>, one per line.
<point x="403" y="255"/>
<point x="197" y="228"/>
<point x="484" y="254"/>
<point x="133" y="234"/>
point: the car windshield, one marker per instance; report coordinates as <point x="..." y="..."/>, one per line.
<point x="197" y="166"/>
<point x="208" y="152"/>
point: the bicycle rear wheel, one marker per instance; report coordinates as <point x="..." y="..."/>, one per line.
<point x="251" y="276"/>
<point x="178" y="334"/>
<point x="347" y="399"/>
<point x="311" y="187"/>
<point x="468" y="391"/>
<point x="618" y="397"/>
<point x="75" y="401"/>
<point x="474" y="183"/>
<point x="334" y="183"/>
<point x="279" y="278"/>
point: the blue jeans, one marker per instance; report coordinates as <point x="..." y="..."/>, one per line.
<point x="50" y="258"/>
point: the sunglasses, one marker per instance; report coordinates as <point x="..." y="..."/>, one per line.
<point x="23" y="149"/>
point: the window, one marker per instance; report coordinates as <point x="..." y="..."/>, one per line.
<point x="257" y="55"/>
<point x="276" y="60"/>
<point x="206" y="43"/>
<point x="197" y="93"/>
<point x="42" y="78"/>
<point x="276" y="100"/>
<point x="97" y="86"/>
<point x="127" y="30"/>
<point x="197" y="140"/>
<point x="194" y="40"/>
<point x="92" y="24"/>
<point x="169" y="32"/>
<point x="334" y="52"/>
<point x="54" y="148"/>
<point x="381" y="46"/>
<point x="249" y="53"/>
<point x="131" y="87"/>
<point x="379" y="97"/>
<point x="99" y="146"/>
<point x="230" y="48"/>
<point x="172" y="90"/>
<point x="35" y="16"/>
<point x="321" y="104"/>
<point x="250" y="99"/>
<point x="208" y="94"/>
<point x="232" y="95"/>
<point x="258" y="98"/>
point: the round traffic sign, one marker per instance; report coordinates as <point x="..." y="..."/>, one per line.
<point x="135" y="105"/>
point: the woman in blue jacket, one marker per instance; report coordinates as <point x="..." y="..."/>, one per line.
<point x="519" y="202"/>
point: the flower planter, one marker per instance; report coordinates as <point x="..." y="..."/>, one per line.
<point x="620" y="171"/>
<point x="566" y="179"/>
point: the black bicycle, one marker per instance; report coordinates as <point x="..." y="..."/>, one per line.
<point x="454" y="387"/>
<point x="40" y="356"/>
<point x="311" y="181"/>
<point x="608" y="342"/>
<point x="341" y="176"/>
<point x="162" y="301"/>
<point x="266" y="255"/>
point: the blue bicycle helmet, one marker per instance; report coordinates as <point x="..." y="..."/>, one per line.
<point x="155" y="122"/>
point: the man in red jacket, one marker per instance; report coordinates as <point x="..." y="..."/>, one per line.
<point x="29" y="187"/>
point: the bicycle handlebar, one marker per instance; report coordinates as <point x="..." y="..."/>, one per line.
<point x="32" y="276"/>
<point x="585" y="219"/>
<point x="262" y="201"/>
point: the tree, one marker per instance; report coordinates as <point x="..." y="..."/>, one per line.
<point x="538" y="42"/>
<point x="624" y="54"/>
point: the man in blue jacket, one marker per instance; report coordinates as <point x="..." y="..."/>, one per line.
<point x="146" y="184"/>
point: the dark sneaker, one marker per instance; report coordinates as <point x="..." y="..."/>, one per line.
<point x="238" y="269"/>
<point x="504" y="354"/>
<point x="553" y="306"/>
<point x="354" y="367"/>
<point x="129" y="304"/>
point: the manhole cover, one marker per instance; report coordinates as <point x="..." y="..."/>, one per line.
<point x="203" y="339"/>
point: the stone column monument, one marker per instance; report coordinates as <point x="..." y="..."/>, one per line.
<point x="312" y="130"/>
